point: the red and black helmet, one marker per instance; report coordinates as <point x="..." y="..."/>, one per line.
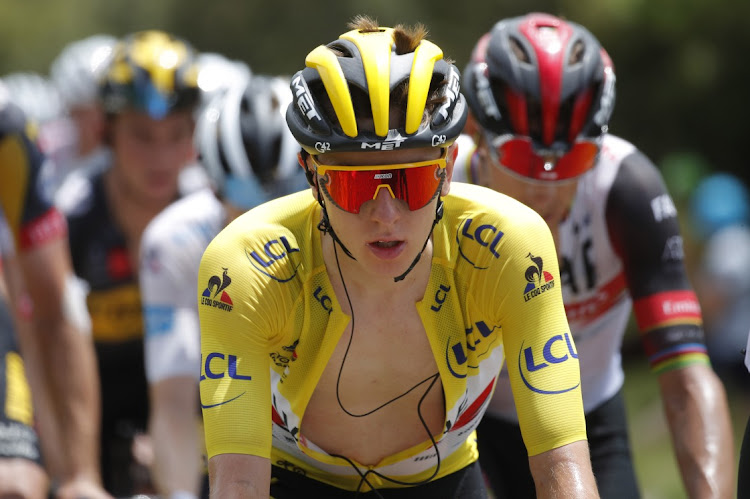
<point x="541" y="77"/>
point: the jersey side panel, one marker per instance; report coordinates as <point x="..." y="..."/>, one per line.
<point x="171" y="249"/>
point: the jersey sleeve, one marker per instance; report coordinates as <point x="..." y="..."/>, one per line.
<point x="242" y="316"/>
<point x="644" y="230"/>
<point x="167" y="277"/>
<point x="31" y="218"/>
<point x="540" y="353"/>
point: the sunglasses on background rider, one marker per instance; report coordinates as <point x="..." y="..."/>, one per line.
<point x="520" y="156"/>
<point x="349" y="187"/>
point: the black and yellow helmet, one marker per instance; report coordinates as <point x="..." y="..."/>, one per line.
<point x="355" y="80"/>
<point x="151" y="71"/>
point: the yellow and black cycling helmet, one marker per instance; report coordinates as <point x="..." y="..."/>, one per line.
<point x="354" y="80"/>
<point x="151" y="71"/>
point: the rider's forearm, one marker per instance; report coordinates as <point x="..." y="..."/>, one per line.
<point x="237" y="476"/>
<point x="70" y="375"/>
<point x="175" y="432"/>
<point x="564" y="472"/>
<point x="698" y="415"/>
<point x="177" y="461"/>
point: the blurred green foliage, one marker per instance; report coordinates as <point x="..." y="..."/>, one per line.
<point x="679" y="62"/>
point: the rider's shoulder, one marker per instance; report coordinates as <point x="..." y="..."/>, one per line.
<point x="199" y="212"/>
<point x="76" y="195"/>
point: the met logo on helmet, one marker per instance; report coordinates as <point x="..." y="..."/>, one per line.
<point x="451" y="95"/>
<point x="304" y="100"/>
<point x="392" y="141"/>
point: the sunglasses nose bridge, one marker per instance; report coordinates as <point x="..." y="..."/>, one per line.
<point x="384" y="206"/>
<point x="382" y="187"/>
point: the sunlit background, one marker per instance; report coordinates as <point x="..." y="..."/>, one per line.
<point x="682" y="97"/>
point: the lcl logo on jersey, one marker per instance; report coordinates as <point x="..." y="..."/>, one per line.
<point x="531" y="363"/>
<point x="218" y="365"/>
<point x="485" y="235"/>
<point x="323" y="299"/>
<point x="270" y="262"/>
<point x="539" y="280"/>
<point x="210" y="296"/>
<point x="479" y="341"/>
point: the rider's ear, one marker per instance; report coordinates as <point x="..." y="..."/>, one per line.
<point x="309" y="174"/>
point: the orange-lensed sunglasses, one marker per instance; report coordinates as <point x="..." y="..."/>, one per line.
<point x="518" y="155"/>
<point x="349" y="187"/>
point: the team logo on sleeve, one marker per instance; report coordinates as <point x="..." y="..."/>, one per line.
<point x="218" y="285"/>
<point x="539" y="280"/>
<point x="476" y="239"/>
<point x="275" y="259"/>
<point x="536" y="364"/>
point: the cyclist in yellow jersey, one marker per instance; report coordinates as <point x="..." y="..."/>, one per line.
<point x="351" y="339"/>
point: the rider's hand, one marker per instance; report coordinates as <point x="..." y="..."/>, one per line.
<point x="81" y="488"/>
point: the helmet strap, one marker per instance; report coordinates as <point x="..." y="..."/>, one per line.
<point x="325" y="227"/>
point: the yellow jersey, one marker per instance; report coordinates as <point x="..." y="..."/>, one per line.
<point x="270" y="321"/>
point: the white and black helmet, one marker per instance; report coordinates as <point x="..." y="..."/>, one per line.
<point x="36" y="95"/>
<point x="217" y="73"/>
<point x="245" y="145"/>
<point x="76" y="70"/>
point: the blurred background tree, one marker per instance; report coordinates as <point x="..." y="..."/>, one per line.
<point x="680" y="92"/>
<point x="679" y="83"/>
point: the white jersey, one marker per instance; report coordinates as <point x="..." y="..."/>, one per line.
<point x="596" y="285"/>
<point x="171" y="250"/>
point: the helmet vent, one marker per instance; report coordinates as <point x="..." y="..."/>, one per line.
<point x="576" y="53"/>
<point x="340" y="50"/>
<point x="519" y="51"/>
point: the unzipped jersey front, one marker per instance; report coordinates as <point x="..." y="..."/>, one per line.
<point x="270" y="321"/>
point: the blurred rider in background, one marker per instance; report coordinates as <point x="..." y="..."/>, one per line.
<point x="250" y="156"/>
<point x="541" y="92"/>
<point x="75" y="73"/>
<point x="149" y="93"/>
<point x="41" y="317"/>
